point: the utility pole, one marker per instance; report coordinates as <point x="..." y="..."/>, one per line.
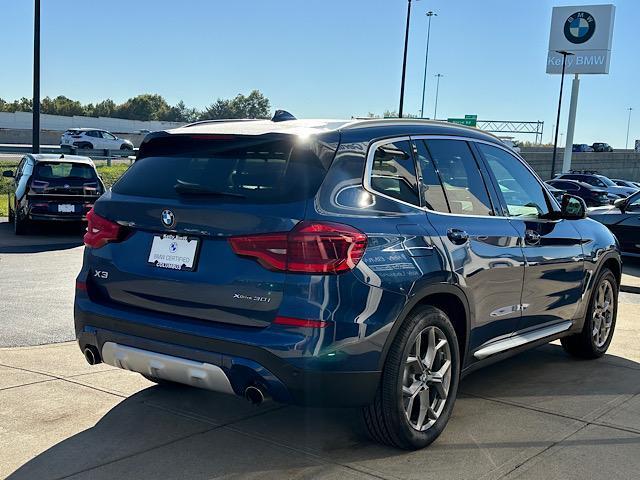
<point x="564" y="54"/>
<point x="626" y="144"/>
<point x="426" y="61"/>
<point x="35" y="128"/>
<point x="435" y="109"/>
<point x="404" y="60"/>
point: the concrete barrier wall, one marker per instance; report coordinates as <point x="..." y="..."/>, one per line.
<point x="23" y="121"/>
<point x="52" y="137"/>
<point x="623" y="164"/>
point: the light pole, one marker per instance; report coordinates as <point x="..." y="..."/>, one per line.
<point x="404" y="59"/>
<point x="626" y="144"/>
<point x="426" y="60"/>
<point x="435" y="108"/>
<point x="35" y="127"/>
<point x="564" y="54"/>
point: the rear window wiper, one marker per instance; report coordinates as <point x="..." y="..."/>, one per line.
<point x="186" y="188"/>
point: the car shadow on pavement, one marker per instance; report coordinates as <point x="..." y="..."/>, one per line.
<point x="43" y="237"/>
<point x="523" y="403"/>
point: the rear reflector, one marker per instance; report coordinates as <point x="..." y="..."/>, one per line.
<point x="101" y="231"/>
<point x="311" y="247"/>
<point x="300" y="322"/>
<point x="81" y="286"/>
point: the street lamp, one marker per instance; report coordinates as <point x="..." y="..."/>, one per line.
<point x="564" y="54"/>
<point x="426" y="60"/>
<point x="404" y="60"/>
<point x="35" y="127"/>
<point x="435" y="109"/>
<point x="626" y="144"/>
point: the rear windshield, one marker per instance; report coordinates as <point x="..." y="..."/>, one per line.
<point x="63" y="170"/>
<point x="237" y="169"/>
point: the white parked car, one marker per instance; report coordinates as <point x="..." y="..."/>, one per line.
<point x="91" y="138"/>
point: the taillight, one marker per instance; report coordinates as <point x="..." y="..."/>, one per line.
<point x="311" y="247"/>
<point x="101" y="231"/>
<point x="300" y="322"/>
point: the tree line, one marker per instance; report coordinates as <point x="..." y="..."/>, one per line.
<point x="149" y="107"/>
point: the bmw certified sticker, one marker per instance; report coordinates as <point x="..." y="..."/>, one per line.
<point x="579" y="27"/>
<point x="168" y="218"/>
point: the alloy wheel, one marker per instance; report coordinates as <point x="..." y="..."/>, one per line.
<point x="602" y="314"/>
<point x="426" y="378"/>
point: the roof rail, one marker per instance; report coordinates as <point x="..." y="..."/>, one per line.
<point x="588" y="172"/>
<point x="220" y="120"/>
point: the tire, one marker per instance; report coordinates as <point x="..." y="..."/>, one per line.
<point x="386" y="418"/>
<point x="601" y="315"/>
<point x="11" y="215"/>
<point x="86" y="146"/>
<point x="20" y="227"/>
<point x="126" y="146"/>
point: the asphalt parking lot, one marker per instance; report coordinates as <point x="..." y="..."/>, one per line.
<point x="540" y="415"/>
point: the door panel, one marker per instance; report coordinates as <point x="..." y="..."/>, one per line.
<point x="490" y="267"/>
<point x="483" y="250"/>
<point x="554" y="272"/>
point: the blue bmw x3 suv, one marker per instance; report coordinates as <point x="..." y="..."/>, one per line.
<point x="346" y="263"/>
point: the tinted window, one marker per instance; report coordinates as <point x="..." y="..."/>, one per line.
<point x="566" y="186"/>
<point x="394" y="173"/>
<point x="594" y="181"/>
<point x="432" y="191"/>
<point x="59" y="170"/>
<point x="239" y="169"/>
<point x="522" y="193"/>
<point x="463" y="183"/>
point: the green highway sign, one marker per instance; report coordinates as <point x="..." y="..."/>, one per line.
<point x="469" y="122"/>
<point x="473" y="117"/>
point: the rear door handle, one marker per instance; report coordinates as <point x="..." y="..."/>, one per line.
<point x="457" y="236"/>
<point x="531" y="237"/>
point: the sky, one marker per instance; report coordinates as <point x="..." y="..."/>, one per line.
<point x="322" y="58"/>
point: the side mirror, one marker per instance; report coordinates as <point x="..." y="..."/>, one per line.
<point x="620" y="203"/>
<point x="573" y="208"/>
<point x="8" y="173"/>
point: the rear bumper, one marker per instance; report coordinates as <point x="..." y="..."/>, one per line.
<point x="39" y="217"/>
<point x="198" y="361"/>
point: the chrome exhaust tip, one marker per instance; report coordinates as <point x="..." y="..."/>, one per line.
<point x="254" y="395"/>
<point x="91" y="355"/>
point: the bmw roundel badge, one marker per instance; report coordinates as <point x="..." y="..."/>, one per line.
<point x="168" y="218"/>
<point x="579" y="27"/>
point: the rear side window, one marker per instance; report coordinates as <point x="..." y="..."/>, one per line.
<point x="462" y="180"/>
<point x="237" y="169"/>
<point x="393" y="172"/>
<point x="61" y="170"/>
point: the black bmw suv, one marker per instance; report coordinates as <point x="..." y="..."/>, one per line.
<point x="364" y="263"/>
<point x="52" y="188"/>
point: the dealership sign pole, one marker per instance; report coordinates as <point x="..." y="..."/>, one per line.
<point x="586" y="32"/>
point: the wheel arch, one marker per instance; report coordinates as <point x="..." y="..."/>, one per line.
<point x="449" y="298"/>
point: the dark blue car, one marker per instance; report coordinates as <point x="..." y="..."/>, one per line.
<point x="345" y="263"/>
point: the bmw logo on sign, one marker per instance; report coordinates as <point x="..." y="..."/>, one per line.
<point x="168" y="218"/>
<point x="579" y="27"/>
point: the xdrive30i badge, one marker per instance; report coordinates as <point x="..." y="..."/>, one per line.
<point x="253" y="298"/>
